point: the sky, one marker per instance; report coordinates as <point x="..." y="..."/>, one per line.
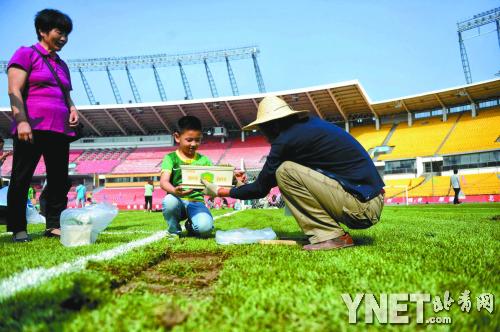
<point x="394" y="48"/>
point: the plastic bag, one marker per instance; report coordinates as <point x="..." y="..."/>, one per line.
<point x="3" y="195"/>
<point x="244" y="235"/>
<point x="97" y="216"/>
<point x="32" y="215"/>
<point x="75" y="235"/>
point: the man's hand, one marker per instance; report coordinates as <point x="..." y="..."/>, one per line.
<point x="241" y="178"/>
<point x="181" y="192"/>
<point x="211" y="189"/>
<point x="24" y="132"/>
<point x="73" y="117"/>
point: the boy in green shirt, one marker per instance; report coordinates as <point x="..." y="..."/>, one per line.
<point x="180" y="204"/>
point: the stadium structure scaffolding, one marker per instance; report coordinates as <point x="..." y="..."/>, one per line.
<point x="477" y="21"/>
<point x="156" y="61"/>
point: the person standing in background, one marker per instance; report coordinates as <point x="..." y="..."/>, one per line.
<point x="148" y="196"/>
<point x="81" y="190"/>
<point x="455" y="184"/>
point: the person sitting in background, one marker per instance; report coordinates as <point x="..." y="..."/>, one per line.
<point x="180" y="204"/>
<point x="324" y="175"/>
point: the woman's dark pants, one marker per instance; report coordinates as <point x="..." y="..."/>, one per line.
<point x="54" y="148"/>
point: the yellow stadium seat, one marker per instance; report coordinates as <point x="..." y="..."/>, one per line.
<point x="396" y="187"/>
<point x="435" y="186"/>
<point x="420" y="140"/>
<point x="473" y="134"/>
<point x="480" y="184"/>
<point x="471" y="184"/>
<point x="368" y="136"/>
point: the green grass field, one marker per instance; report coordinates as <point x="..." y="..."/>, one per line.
<point x="196" y="285"/>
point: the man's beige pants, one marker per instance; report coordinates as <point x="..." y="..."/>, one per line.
<point x="319" y="203"/>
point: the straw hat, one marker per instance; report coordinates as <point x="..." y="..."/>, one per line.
<point x="272" y="108"/>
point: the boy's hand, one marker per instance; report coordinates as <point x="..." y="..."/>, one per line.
<point x="241" y="178"/>
<point x="211" y="189"/>
<point x="181" y="192"/>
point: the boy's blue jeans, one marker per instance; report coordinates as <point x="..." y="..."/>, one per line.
<point x="175" y="209"/>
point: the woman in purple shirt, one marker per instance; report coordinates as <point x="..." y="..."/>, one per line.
<point x="44" y="118"/>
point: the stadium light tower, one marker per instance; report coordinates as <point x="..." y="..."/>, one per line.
<point x="156" y="61"/>
<point x="491" y="16"/>
<point x="211" y="81"/>
<point x="88" y="90"/>
<point x="258" y="75"/>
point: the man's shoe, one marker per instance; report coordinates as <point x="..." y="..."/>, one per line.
<point x="340" y="242"/>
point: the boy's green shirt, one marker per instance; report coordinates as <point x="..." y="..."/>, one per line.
<point x="31" y="193"/>
<point x="172" y="163"/>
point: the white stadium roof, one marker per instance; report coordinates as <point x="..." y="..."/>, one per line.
<point x="334" y="102"/>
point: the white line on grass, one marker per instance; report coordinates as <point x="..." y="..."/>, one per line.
<point x="127" y="232"/>
<point x="33" y="277"/>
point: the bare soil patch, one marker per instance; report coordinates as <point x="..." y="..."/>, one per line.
<point x="179" y="273"/>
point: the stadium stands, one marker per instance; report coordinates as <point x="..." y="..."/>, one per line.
<point x="421" y="139"/>
<point x="74" y="154"/>
<point x="435" y="186"/>
<point x="144" y="160"/>
<point x="471" y="184"/>
<point x="253" y="151"/>
<point x="126" y="196"/>
<point x="369" y="137"/>
<point x="96" y="166"/>
<point x="396" y="187"/>
<point x="479" y="184"/>
<point x="214" y="150"/>
<point x="474" y="134"/>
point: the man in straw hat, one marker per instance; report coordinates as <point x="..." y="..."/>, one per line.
<point x="325" y="176"/>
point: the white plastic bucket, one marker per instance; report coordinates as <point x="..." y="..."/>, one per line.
<point x="75" y="235"/>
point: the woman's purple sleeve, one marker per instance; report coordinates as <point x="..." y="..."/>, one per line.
<point x="22" y="58"/>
